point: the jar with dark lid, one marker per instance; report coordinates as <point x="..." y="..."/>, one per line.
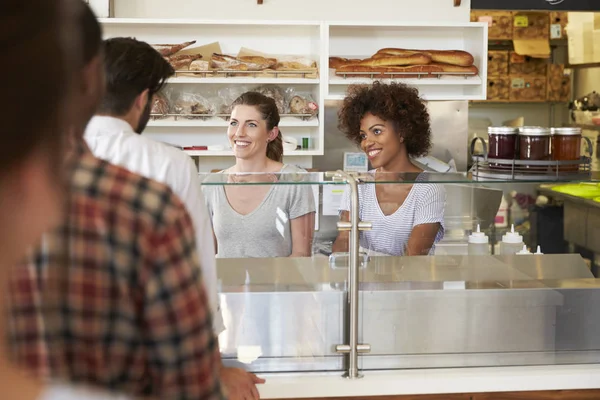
<point x="502" y="144"/>
<point x="566" y="146"/>
<point x="534" y="143"/>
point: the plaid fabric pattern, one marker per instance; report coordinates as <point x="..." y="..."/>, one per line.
<point x="114" y="297"/>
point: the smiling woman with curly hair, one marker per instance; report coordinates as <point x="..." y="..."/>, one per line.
<point x="391" y="125"/>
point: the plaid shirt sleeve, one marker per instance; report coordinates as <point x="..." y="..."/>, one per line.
<point x="184" y="358"/>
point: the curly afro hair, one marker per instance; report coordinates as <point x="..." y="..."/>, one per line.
<point x="394" y="102"/>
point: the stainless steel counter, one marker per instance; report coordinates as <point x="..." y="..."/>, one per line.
<point x="442" y="311"/>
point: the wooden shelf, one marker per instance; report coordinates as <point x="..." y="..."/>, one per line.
<point x="581" y="66"/>
<point x="587" y="127"/>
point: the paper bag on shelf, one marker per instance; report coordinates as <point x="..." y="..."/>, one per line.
<point x="515" y="123"/>
<point x="537" y="48"/>
<point x="206" y="51"/>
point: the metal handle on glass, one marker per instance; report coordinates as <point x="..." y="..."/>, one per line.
<point x="354" y="226"/>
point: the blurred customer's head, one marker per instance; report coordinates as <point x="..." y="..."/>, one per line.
<point x="40" y="50"/>
<point x="92" y="73"/>
<point x="135" y="72"/>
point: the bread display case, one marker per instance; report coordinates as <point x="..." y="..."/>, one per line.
<point x="356" y="311"/>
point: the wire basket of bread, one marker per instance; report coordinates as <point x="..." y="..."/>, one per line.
<point x="394" y="63"/>
<point x="192" y="62"/>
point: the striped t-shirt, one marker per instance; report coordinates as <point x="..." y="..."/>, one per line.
<point x="424" y="204"/>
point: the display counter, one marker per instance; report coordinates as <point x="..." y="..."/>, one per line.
<point x="416" y="324"/>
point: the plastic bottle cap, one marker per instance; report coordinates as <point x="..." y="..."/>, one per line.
<point x="524" y="251"/>
<point x="478" y="237"/>
<point x="512" y="236"/>
<point x="539" y="250"/>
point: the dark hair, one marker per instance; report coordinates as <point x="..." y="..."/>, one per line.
<point x="267" y="107"/>
<point x="131" y="67"/>
<point x="33" y="34"/>
<point x="394" y="102"/>
<point x="91" y="32"/>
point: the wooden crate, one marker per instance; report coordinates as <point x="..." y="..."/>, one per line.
<point x="558" y="85"/>
<point x="558" y="24"/>
<point x="525" y="65"/>
<point x="527" y="88"/>
<point x="531" y="25"/>
<point x="498" y="62"/>
<point x="498" y="88"/>
<point x="500" y="23"/>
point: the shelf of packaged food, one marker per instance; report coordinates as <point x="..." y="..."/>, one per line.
<point x="245" y="80"/>
<point x="286" y="122"/>
<point x="335" y="79"/>
<point x="229" y="153"/>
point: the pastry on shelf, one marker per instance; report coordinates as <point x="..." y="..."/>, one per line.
<point x="276" y="93"/>
<point x="305" y="105"/>
<point x="160" y="106"/>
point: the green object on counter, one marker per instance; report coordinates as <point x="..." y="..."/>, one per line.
<point x="583" y="190"/>
<point x="597" y="199"/>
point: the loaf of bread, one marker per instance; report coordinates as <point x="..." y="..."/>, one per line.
<point x="183" y="61"/>
<point x="454" y="57"/>
<point x="289" y="63"/>
<point x="246" y="63"/>
<point x="199" y="65"/>
<point x="160" y="106"/>
<point x="409" y="59"/>
<point x="336" y="62"/>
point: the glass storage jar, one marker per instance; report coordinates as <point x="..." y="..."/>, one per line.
<point x="566" y="146"/>
<point x="534" y="144"/>
<point x="502" y="144"/>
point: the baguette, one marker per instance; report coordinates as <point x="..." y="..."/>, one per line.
<point x="183" y="61"/>
<point x="336" y="62"/>
<point x="246" y="63"/>
<point x="167" y="50"/>
<point x="454" y="57"/>
<point x="410" y="59"/>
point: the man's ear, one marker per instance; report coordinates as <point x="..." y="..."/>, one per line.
<point x="141" y="101"/>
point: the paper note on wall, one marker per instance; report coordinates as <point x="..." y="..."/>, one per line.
<point x="332" y="199"/>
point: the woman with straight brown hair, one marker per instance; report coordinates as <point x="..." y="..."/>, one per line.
<point x="271" y="219"/>
<point x="34" y="34"/>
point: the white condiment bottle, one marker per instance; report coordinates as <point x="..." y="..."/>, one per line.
<point x="479" y="243"/>
<point x="512" y="242"/>
<point x="524" y="251"/>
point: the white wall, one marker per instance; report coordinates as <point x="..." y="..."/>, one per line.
<point x="373" y="10"/>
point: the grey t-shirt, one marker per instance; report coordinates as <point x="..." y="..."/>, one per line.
<point x="266" y="231"/>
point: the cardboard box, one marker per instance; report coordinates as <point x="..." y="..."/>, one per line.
<point x="531" y="25"/>
<point x="498" y="88"/>
<point x="498" y="62"/>
<point x="527" y="88"/>
<point x="525" y="65"/>
<point x="581" y="38"/>
<point x="558" y="85"/>
<point x="558" y="24"/>
<point x="499" y="22"/>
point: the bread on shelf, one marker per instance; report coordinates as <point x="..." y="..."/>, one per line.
<point x="454" y="57"/>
